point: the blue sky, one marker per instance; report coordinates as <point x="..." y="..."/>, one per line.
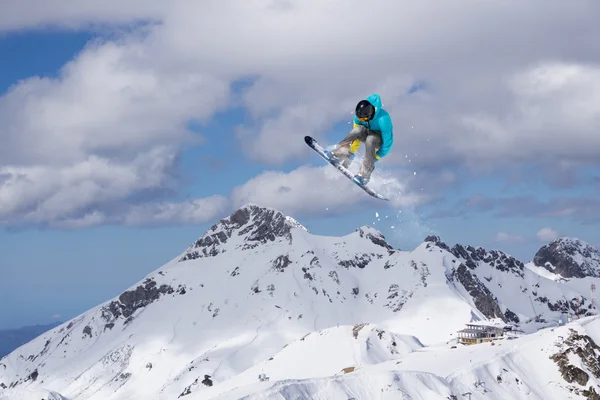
<point x="122" y="146"/>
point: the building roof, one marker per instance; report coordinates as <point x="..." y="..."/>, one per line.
<point x="484" y="328"/>
<point x="488" y="326"/>
<point x="471" y="331"/>
<point x="488" y="329"/>
<point x="490" y="322"/>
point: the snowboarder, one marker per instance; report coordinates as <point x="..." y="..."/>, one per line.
<point x="373" y="127"/>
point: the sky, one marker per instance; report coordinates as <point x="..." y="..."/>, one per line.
<point x="129" y="128"/>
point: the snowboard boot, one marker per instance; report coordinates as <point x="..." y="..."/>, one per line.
<point x="335" y="160"/>
<point x="361" y="180"/>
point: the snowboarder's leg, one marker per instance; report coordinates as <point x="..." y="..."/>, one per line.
<point x="348" y="146"/>
<point x="372" y="144"/>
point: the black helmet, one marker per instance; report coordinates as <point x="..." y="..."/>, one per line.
<point x="364" y="109"/>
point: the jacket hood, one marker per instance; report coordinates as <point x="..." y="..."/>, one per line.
<point x="375" y="99"/>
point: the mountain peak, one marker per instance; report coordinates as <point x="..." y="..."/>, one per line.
<point x="246" y="228"/>
<point x="294" y="223"/>
<point x="436" y="241"/>
<point x="569" y="257"/>
<point x="375" y="236"/>
<point x="496" y="259"/>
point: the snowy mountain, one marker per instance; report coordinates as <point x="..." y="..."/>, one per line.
<point x="10" y="339"/>
<point x="570" y="258"/>
<point x="324" y="318"/>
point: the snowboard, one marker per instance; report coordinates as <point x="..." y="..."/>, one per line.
<point x="313" y="144"/>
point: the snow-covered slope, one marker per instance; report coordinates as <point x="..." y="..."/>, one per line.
<point x="560" y="364"/>
<point x="10" y="339"/>
<point x="502" y="286"/>
<point x="323" y="317"/>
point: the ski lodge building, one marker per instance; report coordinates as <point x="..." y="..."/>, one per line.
<point x="476" y="333"/>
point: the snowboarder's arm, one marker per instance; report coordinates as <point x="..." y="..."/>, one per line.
<point x="387" y="137"/>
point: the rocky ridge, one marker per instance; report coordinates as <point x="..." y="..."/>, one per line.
<point x="251" y="225"/>
<point x="570" y="258"/>
<point x="578" y="359"/>
<point x="479" y="270"/>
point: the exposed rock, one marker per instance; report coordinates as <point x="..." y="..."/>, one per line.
<point x="307" y="274"/>
<point x="33" y="376"/>
<point x="207" y="381"/>
<point x="87" y="330"/>
<point x="281" y="263"/>
<point x="574" y="306"/>
<point x="511" y="316"/>
<point x="436" y="241"/>
<point x="188" y="389"/>
<point x="357" y="328"/>
<point x="124" y="376"/>
<point x="583" y="347"/>
<point x="483" y="298"/>
<point x="397" y="298"/>
<point x="131" y="301"/>
<point x="591" y="393"/>
<point x="496" y="259"/>
<point x="333" y="275"/>
<point x="374" y="236"/>
<point x="315" y="262"/>
<point x="256" y="225"/>
<point x="570" y="258"/>
<point x="358" y="262"/>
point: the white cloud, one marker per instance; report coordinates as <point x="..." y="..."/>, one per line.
<point x="93" y="218"/>
<point x="74" y="196"/>
<point x="547" y="234"/>
<point x="111" y="99"/>
<point x="296" y="78"/>
<point x="506" y="237"/>
<point x="309" y="83"/>
<point x="39" y="194"/>
<point x="193" y="211"/>
<point x="320" y="191"/>
<point x="282" y="137"/>
<point x="552" y="118"/>
<point x="110" y="126"/>
<point x="19" y="14"/>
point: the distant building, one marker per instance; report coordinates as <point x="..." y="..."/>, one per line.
<point x="263" y="377"/>
<point x="476" y="333"/>
<point x="565" y="319"/>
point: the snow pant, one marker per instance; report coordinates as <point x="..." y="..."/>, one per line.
<point x="349" y="145"/>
